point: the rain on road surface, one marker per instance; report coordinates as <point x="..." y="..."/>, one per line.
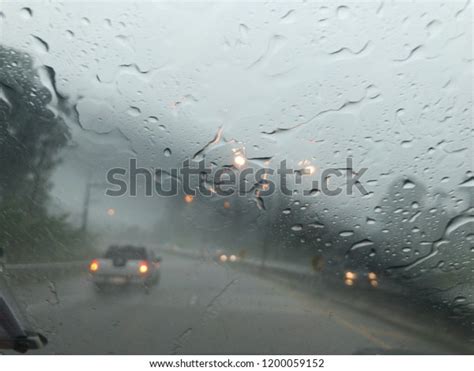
<point x="201" y="307"/>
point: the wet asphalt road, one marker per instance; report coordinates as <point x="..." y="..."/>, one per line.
<point x="201" y="307"/>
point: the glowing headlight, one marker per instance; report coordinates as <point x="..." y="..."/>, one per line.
<point x="372" y="276"/>
<point x="223" y="258"/>
<point x="350" y="276"/>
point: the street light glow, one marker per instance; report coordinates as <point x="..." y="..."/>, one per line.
<point x="111" y="211"/>
<point x="310" y="170"/>
<point x="239" y="160"/>
<point x="307" y="167"/>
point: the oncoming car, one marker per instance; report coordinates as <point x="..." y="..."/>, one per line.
<point x="123" y="265"/>
<point x="361" y="278"/>
<point x="227" y="258"/>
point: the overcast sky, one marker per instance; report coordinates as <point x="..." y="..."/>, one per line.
<point x="387" y="84"/>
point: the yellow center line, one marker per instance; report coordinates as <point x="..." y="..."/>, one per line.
<point x="341" y="321"/>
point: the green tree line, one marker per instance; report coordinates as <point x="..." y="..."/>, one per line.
<point x="31" y="138"/>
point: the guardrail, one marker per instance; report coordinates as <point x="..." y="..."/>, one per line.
<point x="300" y="272"/>
<point x="381" y="302"/>
<point x="38" y="271"/>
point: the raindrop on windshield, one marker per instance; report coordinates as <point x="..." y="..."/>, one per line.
<point x="134" y="111"/>
<point x="408" y="184"/>
<point x="26" y="13"/>
<point x="297" y="227"/>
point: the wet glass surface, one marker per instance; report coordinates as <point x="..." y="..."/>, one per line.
<point x="303" y="170"/>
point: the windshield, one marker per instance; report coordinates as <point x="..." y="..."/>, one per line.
<point x="301" y="174"/>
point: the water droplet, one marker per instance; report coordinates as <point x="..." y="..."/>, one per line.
<point x="361" y="244"/>
<point x="372" y="92"/>
<point x="314" y="192"/>
<point x="346" y="233"/>
<point x="467" y="183"/>
<point x="457" y="223"/>
<point x="134" y="111"/>
<point x="167" y="152"/>
<point x="26" y="13"/>
<point x="459" y="300"/>
<point x="434" y="27"/>
<point x="406" y="144"/>
<point x="152" y="119"/>
<point x="343" y="12"/>
<point x="288" y="17"/>
<point x="408" y="184"/>
<point x="286" y="211"/>
<point x="297" y="228"/>
<point x="40" y="45"/>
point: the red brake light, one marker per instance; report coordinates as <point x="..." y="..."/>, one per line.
<point x="143" y="267"/>
<point x="94" y="265"/>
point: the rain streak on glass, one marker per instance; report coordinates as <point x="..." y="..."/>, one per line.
<point x="330" y="152"/>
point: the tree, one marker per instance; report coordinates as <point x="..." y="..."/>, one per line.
<point x="31" y="137"/>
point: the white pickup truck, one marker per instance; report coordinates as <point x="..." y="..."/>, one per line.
<point x="124" y="265"/>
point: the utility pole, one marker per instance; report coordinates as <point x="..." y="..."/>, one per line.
<point x="85" y="206"/>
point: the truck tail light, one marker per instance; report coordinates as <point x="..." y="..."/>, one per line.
<point x="94" y="265"/>
<point x="143" y="267"/>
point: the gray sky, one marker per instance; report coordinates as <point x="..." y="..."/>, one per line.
<point x="366" y="80"/>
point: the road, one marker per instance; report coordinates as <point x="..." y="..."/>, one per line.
<point x="201" y="307"/>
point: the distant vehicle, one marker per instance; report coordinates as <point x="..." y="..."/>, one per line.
<point x="124" y="265"/>
<point x="361" y="277"/>
<point x="223" y="257"/>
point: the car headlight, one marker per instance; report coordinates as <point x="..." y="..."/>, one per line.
<point x="350" y="276"/>
<point x="223" y="258"/>
<point x="348" y="282"/>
